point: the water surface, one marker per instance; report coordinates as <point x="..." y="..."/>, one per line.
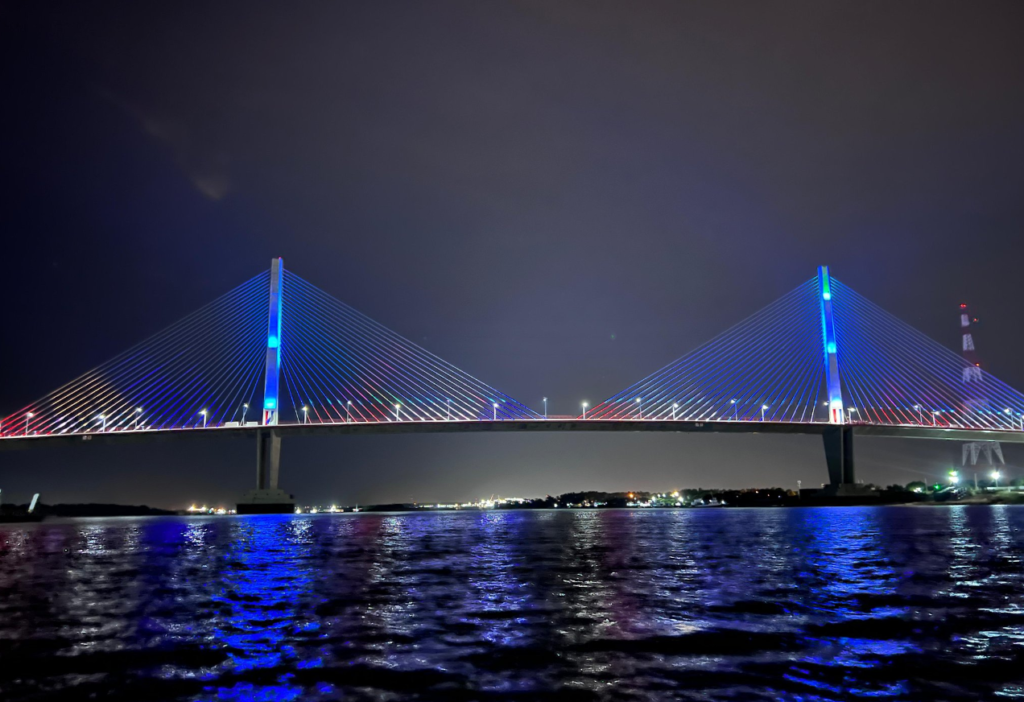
<point x="909" y="603"/>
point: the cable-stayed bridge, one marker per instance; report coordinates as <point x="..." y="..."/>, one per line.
<point x="278" y="356"/>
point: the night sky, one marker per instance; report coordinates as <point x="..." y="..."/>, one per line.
<point x="559" y="198"/>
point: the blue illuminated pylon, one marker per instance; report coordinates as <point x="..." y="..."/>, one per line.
<point x="830" y="347"/>
<point x="271" y="405"/>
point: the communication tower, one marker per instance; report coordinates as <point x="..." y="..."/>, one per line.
<point x="974" y="398"/>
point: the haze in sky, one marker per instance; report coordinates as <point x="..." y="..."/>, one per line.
<point x="559" y="198"/>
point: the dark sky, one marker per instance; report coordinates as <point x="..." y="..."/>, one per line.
<point x="559" y="198"/>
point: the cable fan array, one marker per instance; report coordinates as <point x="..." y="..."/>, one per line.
<point x="205" y="371"/>
<point x="199" y="371"/>
<point x="768" y="367"/>
<point x="340" y="365"/>
<point x="893" y="374"/>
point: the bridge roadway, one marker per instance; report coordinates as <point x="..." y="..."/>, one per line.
<point x="514" y="425"/>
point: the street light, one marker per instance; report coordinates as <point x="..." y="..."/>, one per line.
<point x="495" y="408"/>
<point x="28" y="416"/>
<point x="305" y="414"/>
<point x="398" y="410"/>
<point x="245" y="411"/>
<point x="735" y="417"/>
<point x="584" y="410"/>
<point x="674" y="406"/>
<point x="935" y="418"/>
<point x="920" y="415"/>
<point x="348" y="411"/>
<point x="954" y="477"/>
<point x="102" y="418"/>
<point x="763" y="408"/>
<point x="849" y="414"/>
<point x="203" y="412"/>
<point x="996" y="475"/>
<point x="640" y="404"/>
<point x="545" y="408"/>
<point x="135" y="419"/>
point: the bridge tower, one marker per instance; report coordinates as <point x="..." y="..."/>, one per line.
<point x="267" y="498"/>
<point x="974" y="398"/>
<point x="838" y="437"/>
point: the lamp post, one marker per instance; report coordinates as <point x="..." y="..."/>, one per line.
<point x="348" y="411"/>
<point x="675" y="405"/>
<point x="640" y="404"/>
<point x="398" y="411"/>
<point x="203" y="412"/>
<point x="849" y="414"/>
<point x="1009" y="414"/>
<point x="245" y="411"/>
<point x="28" y="416"/>
<point x="305" y="414"/>
<point x="103" y="419"/>
<point x="545" y="408"/>
<point x="920" y="415"/>
<point x="494" y="417"/>
<point x="995" y="477"/>
<point x="935" y="418"/>
<point x="135" y="419"/>
<point x="735" y="416"/>
<point x="954" y="477"/>
<point x="584" y="410"/>
<point x="763" y="408"/>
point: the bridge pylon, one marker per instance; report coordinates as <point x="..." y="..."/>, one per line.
<point x="838" y="439"/>
<point x="268" y="498"/>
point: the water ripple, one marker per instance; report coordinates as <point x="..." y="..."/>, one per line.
<point x="796" y="604"/>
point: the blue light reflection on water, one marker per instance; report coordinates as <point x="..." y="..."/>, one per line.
<point x="266" y="577"/>
<point x="829" y="604"/>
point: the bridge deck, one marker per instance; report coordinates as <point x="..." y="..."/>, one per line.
<point x="522" y="425"/>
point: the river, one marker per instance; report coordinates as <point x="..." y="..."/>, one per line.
<point x="908" y="603"/>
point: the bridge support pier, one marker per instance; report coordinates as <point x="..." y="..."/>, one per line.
<point x="267" y="498"/>
<point x="842" y="480"/>
<point x="268" y="459"/>
<point x="838" y="441"/>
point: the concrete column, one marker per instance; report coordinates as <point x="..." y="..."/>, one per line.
<point x="268" y="459"/>
<point x="839" y="455"/>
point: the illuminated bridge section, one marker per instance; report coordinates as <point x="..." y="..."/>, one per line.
<point x="820" y="359"/>
<point x="823" y="353"/>
<point x="210" y="370"/>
